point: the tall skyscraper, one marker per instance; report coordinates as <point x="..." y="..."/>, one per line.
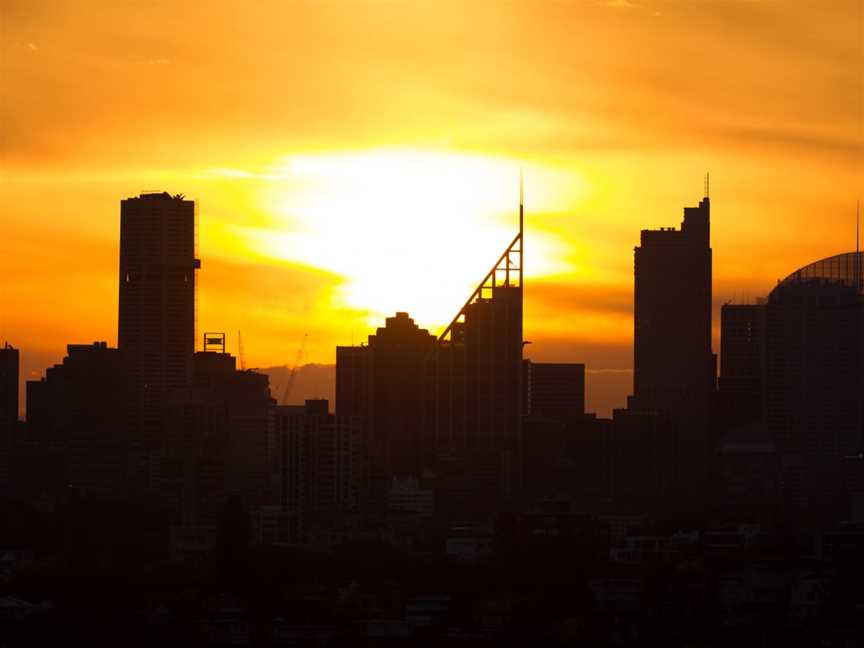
<point x="474" y="427"/>
<point x="157" y="288"/>
<point x="157" y="307"/>
<point x="814" y="401"/>
<point x="9" y="367"/>
<point x="673" y="361"/>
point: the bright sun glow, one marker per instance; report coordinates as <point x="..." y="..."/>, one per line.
<point x="409" y="230"/>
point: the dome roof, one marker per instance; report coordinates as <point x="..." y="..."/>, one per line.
<point x="840" y="268"/>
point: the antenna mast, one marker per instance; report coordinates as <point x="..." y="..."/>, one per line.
<point x="521" y="230"/>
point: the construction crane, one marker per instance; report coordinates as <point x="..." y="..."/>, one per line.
<point x="240" y="355"/>
<point x="291" y="376"/>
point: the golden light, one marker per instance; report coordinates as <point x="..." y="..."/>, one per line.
<point x="408" y="229"/>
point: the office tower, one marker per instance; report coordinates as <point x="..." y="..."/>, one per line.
<point x="9" y="370"/>
<point x="316" y="469"/>
<point x="80" y="410"/>
<point x="473" y="438"/>
<point x="554" y="390"/>
<point x="739" y="397"/>
<point x="350" y="380"/>
<point x="218" y="437"/>
<point x="385" y="383"/>
<point x="673" y="362"/>
<point x="814" y="350"/>
<point x="335" y="460"/>
<point x="641" y="460"/>
<point x="553" y="408"/>
<point x="157" y="310"/>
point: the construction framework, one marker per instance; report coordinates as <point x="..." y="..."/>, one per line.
<point x="505" y="265"/>
<point x="477" y="380"/>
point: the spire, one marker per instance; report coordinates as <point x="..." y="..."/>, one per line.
<point x="521" y="202"/>
<point x="521" y="228"/>
<point x="707" y="185"/>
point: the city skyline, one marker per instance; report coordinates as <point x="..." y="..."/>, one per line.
<point x="619" y="149"/>
<point x="602" y="399"/>
<point x="431" y="322"/>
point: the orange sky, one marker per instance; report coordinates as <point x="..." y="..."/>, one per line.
<point x="350" y="158"/>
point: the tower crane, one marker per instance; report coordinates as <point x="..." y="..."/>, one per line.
<point x="240" y="354"/>
<point x="291" y="376"/>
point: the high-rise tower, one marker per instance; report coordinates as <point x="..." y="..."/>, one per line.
<point x="673" y="363"/>
<point x="9" y="368"/>
<point x="813" y="386"/>
<point x="474" y="433"/>
<point x="384" y="383"/>
<point x="157" y="302"/>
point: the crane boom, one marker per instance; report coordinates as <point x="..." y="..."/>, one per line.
<point x="241" y="356"/>
<point x="291" y="376"/>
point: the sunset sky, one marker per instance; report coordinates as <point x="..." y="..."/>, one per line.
<point x="352" y="158"/>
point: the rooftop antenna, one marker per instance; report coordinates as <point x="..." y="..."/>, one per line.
<point x="521" y="200"/>
<point x="521" y="228"/>
<point x="858" y="202"/>
<point x="707" y="185"/>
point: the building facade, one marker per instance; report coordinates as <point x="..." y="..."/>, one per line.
<point x="813" y="396"/>
<point x="156" y="323"/>
<point x="673" y="361"/>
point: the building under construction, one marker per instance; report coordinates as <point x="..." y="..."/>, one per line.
<point x="473" y="439"/>
<point x="446" y="410"/>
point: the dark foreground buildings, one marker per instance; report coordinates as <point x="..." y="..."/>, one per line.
<point x="80" y="411"/>
<point x="459" y="494"/>
<point x="739" y="387"/>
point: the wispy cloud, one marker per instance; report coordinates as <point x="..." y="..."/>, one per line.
<point x="618" y="4"/>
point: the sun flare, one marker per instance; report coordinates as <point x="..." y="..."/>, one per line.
<point x="408" y="230"/>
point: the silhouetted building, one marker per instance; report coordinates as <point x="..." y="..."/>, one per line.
<point x="545" y="442"/>
<point x="474" y="425"/>
<point x="316" y="469"/>
<point x="673" y="362"/>
<point x="351" y="380"/>
<point x="554" y="390"/>
<point x="9" y="371"/>
<point x="385" y="384"/>
<point x="553" y="410"/>
<point x="585" y="466"/>
<point x="814" y="395"/>
<point x="80" y="410"/>
<point x="156" y="323"/>
<point x="643" y="461"/>
<point x="746" y="461"/>
<point x="739" y="393"/>
<point x="217" y="438"/>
